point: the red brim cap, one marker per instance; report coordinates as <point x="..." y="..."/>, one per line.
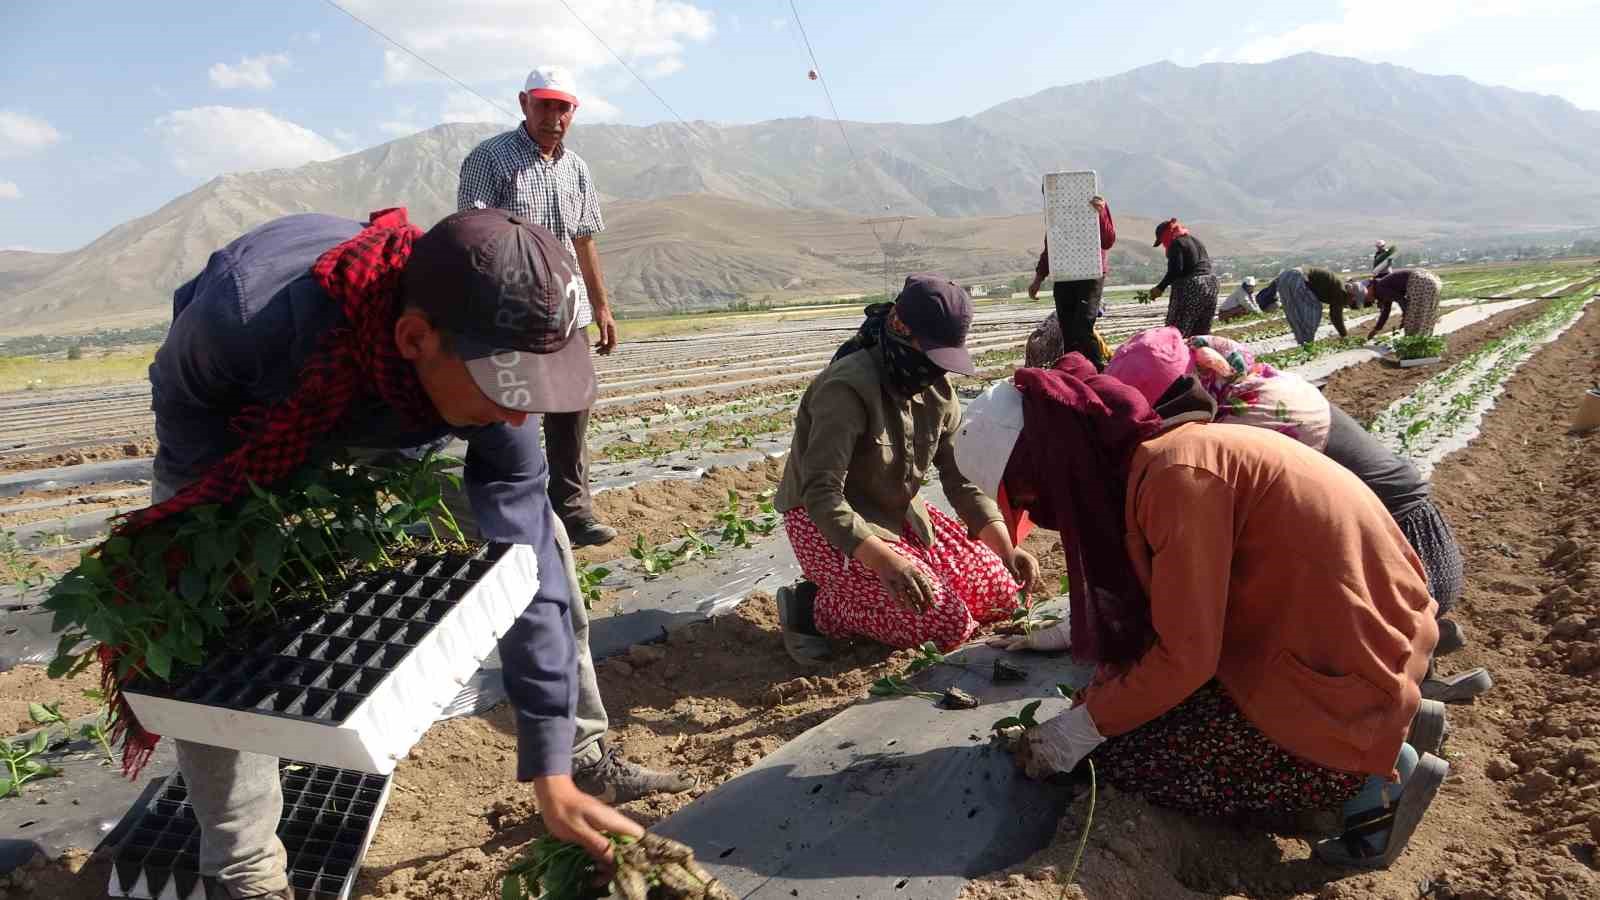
<point x="548" y="94"/>
<point x="1018" y="525"/>
<point x="559" y="382"/>
<point x="952" y="359"/>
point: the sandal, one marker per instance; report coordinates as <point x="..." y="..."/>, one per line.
<point x="1401" y="819"/>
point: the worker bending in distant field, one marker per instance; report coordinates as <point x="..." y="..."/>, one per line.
<point x="1416" y="292"/>
<point x="1240" y="303"/>
<point x="1212" y="373"/>
<point x="1194" y="288"/>
<point x="1235" y="678"/>
<point x="1303" y="293"/>
<point x="872" y="427"/>
<point x="1078" y="303"/>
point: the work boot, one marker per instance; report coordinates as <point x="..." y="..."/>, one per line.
<point x="614" y="779"/>
<point x="797" y="615"/>
<point x="1451" y="637"/>
<point x="590" y="533"/>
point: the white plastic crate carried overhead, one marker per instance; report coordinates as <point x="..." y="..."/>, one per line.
<point x="1072" y="225"/>
<point x="357" y="685"/>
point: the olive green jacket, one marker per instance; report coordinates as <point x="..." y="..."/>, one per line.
<point x="861" y="452"/>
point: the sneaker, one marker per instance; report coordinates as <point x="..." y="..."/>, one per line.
<point x="797" y="615"/>
<point x="614" y="779"/>
<point x="590" y="533"/>
<point x="1451" y="637"/>
<point x="1457" y="688"/>
<point x="1429" y="728"/>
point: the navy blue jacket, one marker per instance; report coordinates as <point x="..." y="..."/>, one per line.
<point x="242" y="329"/>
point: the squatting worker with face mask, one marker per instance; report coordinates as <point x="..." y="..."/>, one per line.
<point x="871" y="429"/>
<point x="380" y="337"/>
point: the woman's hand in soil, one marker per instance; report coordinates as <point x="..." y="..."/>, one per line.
<point x="572" y="815"/>
<point x="1054" y="639"/>
<point x="898" y="574"/>
<point x="1023" y="566"/>
<point x="908" y="583"/>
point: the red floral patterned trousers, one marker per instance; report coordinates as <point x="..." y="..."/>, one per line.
<point x="972" y="586"/>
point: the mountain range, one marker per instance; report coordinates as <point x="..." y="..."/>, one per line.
<point x="1306" y="152"/>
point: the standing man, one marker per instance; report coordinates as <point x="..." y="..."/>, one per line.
<point x="530" y="172"/>
<point x="380" y="337"/>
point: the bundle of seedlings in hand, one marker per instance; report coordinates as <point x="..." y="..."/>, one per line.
<point x="179" y="589"/>
<point x="650" y="868"/>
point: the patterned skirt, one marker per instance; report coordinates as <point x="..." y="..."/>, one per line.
<point x="972" y="586"/>
<point x="1204" y="758"/>
<point x="1193" y="304"/>
<point x="1430" y="535"/>
<point x="1421" y="311"/>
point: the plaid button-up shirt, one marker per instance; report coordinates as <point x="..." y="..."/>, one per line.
<point x="509" y="172"/>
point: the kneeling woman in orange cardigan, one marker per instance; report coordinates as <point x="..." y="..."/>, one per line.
<point x="1259" y="623"/>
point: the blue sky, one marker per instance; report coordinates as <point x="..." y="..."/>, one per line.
<point x="108" y="110"/>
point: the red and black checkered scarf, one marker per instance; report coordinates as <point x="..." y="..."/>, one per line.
<point x="354" y="360"/>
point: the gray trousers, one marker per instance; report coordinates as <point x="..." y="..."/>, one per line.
<point x="238" y="798"/>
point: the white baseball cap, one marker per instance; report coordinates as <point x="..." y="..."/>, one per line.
<point x="988" y="435"/>
<point x="552" y="83"/>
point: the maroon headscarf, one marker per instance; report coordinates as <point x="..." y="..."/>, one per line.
<point x="1080" y="430"/>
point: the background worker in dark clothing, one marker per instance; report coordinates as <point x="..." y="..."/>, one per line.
<point x="1078" y="302"/>
<point x="1194" y="288"/>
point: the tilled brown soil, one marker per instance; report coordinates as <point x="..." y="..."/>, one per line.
<point x="1364" y="391"/>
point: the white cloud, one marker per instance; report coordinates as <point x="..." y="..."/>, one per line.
<point x="209" y="140"/>
<point x="665" y="66"/>
<point x="10" y="191"/>
<point x="1366" y="27"/>
<point x="464" y="106"/>
<point x="779" y="23"/>
<point x="397" y="128"/>
<point x="21" y="133"/>
<point x="251" y="72"/>
<point x="487" y="42"/>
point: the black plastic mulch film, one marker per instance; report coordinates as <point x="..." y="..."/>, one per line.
<point x="327" y="815"/>
<point x="321" y="667"/>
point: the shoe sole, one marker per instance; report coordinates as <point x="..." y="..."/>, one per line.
<point x="1420" y="789"/>
<point x="1428" y="728"/>
<point x="1458" y="688"/>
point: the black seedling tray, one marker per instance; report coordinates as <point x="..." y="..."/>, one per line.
<point x="321" y="666"/>
<point x="329" y="816"/>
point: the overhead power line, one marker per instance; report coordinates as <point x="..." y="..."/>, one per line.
<point x="618" y="57"/>
<point x="420" y="58"/>
<point x="823" y="80"/>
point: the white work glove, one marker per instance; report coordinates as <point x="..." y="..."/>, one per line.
<point x="1060" y="744"/>
<point x="1053" y="639"/>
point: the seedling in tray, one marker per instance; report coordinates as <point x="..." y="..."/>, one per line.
<point x="651" y="867"/>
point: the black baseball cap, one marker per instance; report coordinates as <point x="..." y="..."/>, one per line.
<point x="507" y="291"/>
<point x="938" y="313"/>
<point x="1161" y="232"/>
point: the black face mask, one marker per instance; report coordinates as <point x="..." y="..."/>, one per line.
<point x="908" y="369"/>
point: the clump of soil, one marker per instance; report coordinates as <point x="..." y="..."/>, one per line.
<point x="131" y="448"/>
<point x="29" y="684"/>
<point x="660" y="509"/>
